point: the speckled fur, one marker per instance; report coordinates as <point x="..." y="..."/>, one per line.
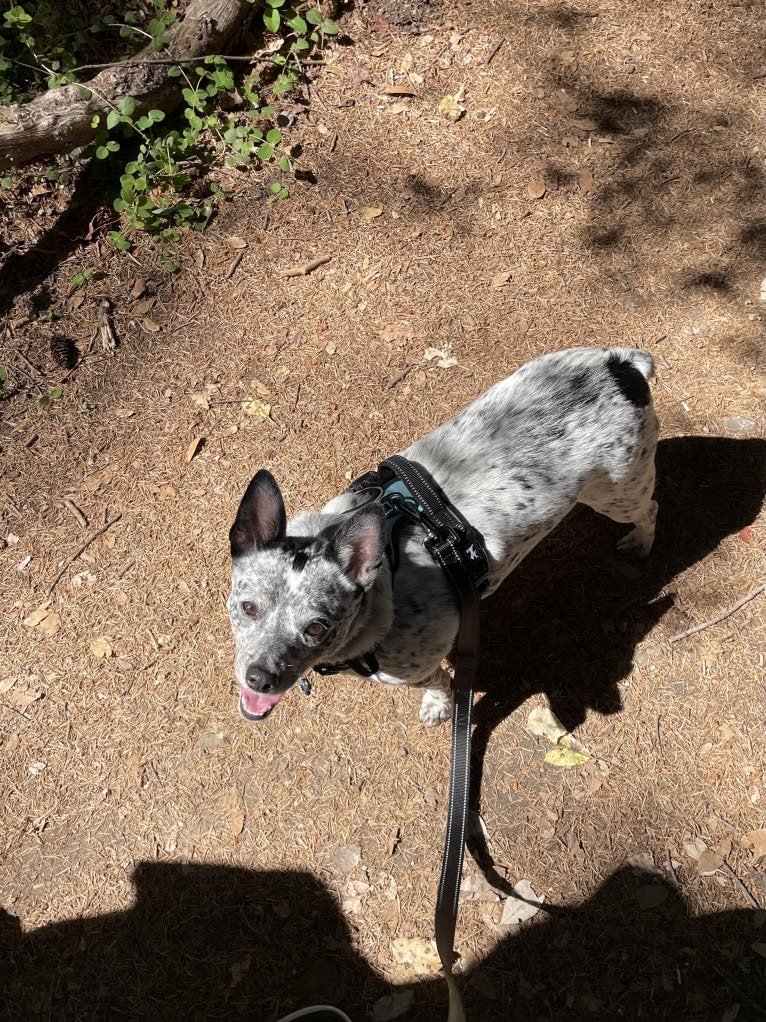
<point x="571" y="426"/>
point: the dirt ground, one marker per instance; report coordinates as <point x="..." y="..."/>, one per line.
<point x="597" y="177"/>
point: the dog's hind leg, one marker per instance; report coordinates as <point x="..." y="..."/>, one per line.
<point x="436" y="704"/>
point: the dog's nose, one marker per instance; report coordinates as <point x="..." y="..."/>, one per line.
<point x="260" y="680"/>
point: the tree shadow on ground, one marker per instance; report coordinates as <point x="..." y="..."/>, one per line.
<point x="567" y="621"/>
<point x="23" y="271"/>
<point x="214" y="942"/>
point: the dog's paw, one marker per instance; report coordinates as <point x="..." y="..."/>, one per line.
<point x="435" y="707"/>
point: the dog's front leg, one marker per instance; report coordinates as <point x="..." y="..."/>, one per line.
<point x="436" y="704"/>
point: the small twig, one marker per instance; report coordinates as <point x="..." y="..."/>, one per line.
<point x="400" y="375"/>
<point x="741" y="886"/>
<point x="493" y="51"/>
<point x="31" y="365"/>
<point x="722" y="616"/>
<point x="659" y="735"/>
<point x="233" y="266"/>
<point x="180" y="326"/>
<point x="672" y="868"/>
<point x="306" y="268"/>
<point x="76" y="513"/>
<point x="81" y="550"/>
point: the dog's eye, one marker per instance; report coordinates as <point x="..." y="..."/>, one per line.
<point x="249" y="608"/>
<point x="315" y="630"/>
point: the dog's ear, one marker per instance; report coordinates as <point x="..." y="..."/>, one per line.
<point x="261" y="516"/>
<point x="358" y="543"/>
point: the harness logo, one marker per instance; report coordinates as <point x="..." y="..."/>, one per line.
<point x="473" y="553"/>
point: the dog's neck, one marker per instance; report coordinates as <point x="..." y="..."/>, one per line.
<point x="373" y="620"/>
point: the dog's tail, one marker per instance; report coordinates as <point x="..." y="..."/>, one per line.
<point x="641" y="360"/>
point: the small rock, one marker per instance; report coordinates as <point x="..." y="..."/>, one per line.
<point x="633" y="301"/>
<point x="647" y="655"/>
<point x="212" y="740"/>
<point x="346" y="857"/>
<point x="737" y="424"/>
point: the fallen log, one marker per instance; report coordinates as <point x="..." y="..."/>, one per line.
<point x="61" y="119"/>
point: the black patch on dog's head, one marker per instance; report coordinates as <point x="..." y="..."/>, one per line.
<point x="630" y="380"/>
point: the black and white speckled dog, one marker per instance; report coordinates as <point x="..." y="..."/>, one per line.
<point x="570" y="426"/>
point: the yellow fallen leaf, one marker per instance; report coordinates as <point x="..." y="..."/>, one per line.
<point x="101" y="647"/>
<point x="370" y="212"/>
<point x="234" y="242"/>
<point x="563" y="757"/>
<point x="258" y="409"/>
<point x="452" y="107"/>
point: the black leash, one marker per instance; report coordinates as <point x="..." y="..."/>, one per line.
<point x="406" y="490"/>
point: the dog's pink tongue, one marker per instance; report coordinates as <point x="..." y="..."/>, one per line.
<point x="257" y="703"/>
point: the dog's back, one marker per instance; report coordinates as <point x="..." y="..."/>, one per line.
<point x="569" y="426"/>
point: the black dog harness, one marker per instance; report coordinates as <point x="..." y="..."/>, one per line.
<point x="407" y="493"/>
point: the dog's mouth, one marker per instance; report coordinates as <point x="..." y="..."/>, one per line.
<point x="255" y="705"/>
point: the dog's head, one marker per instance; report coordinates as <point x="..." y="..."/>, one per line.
<point x="294" y="598"/>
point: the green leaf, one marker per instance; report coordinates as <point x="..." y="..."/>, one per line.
<point x="265" y="151"/>
<point x="284" y="165"/>
<point x="95" y="120"/>
<point x="276" y="187"/>
<point x="112" y="146"/>
<point x="102" y="152"/>
<point x="275" y="3"/>
<point x="174" y="71"/>
<point x="127" y="106"/>
<point x="329" y="27"/>
<point x="314" y="16"/>
<point x="297" y="24"/>
<point x="118" y="240"/>
<point x="57" y="393"/>
<point x="3" y="374"/>
<point x="274" y="136"/>
<point x="272" y="20"/>
<point x="112" y="119"/>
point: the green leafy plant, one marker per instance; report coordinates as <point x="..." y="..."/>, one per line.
<point x="81" y="278"/>
<point x="54" y="394"/>
<point x="225" y="118"/>
<point x="3" y="381"/>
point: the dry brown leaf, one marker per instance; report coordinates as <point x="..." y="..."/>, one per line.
<point x="194" y="448"/>
<point x="138" y="287"/>
<point x="536" y="188"/>
<point x="150" y="325"/>
<point x="101" y="647"/>
<point x="141" y="308"/>
<point x="236" y="243"/>
<point x="709" y="862"/>
<point x="74" y="302"/>
<point x="518" y="909"/>
<point x="50" y="624"/>
<point x="330" y="348"/>
<point x="370" y="212"/>
<point x="501" y="279"/>
<point x="583" y="123"/>
<point x="22" y="696"/>
<point x="396" y="90"/>
<point x="585" y="180"/>
<point x="397" y="333"/>
<point x="694" y="847"/>
<point x="755" y="841"/>
<point x="33" y="620"/>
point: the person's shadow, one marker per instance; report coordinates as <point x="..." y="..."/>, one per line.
<point x="214" y="942"/>
<point x="567" y="621"/>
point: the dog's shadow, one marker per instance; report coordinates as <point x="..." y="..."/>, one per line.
<point x="566" y="623"/>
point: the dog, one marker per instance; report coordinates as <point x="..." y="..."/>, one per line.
<point x="571" y="426"/>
